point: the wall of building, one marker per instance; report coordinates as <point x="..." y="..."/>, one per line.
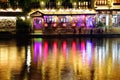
<point x="7" y="23"/>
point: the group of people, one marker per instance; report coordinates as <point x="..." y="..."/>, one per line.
<point x="88" y="31"/>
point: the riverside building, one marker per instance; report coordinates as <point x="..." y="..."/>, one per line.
<point x="67" y="16"/>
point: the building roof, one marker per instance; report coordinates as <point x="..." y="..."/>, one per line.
<point x="40" y="12"/>
<point x="12" y="14"/>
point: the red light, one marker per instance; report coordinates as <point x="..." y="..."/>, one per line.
<point x="54" y="25"/>
<point x="82" y="24"/>
<point x="73" y="24"/>
<point x="46" y="25"/>
<point x="64" y="25"/>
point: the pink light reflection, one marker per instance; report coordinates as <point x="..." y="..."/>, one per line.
<point x="83" y="51"/>
<point x="64" y="48"/>
<point x="55" y="47"/>
<point x="74" y="47"/>
<point x="45" y="50"/>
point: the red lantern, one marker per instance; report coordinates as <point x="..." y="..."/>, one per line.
<point x="54" y="25"/>
<point x="45" y="25"/>
<point x="64" y="24"/>
<point x="73" y="24"/>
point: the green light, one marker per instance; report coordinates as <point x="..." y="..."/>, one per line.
<point x="38" y="39"/>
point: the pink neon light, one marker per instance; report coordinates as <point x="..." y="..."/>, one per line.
<point x="83" y="16"/>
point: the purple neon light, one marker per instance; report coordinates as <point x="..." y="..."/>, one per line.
<point x="89" y="22"/>
<point x="81" y="21"/>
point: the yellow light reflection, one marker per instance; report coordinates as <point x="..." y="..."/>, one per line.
<point x="11" y="60"/>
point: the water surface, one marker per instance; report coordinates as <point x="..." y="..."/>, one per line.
<point x="60" y="59"/>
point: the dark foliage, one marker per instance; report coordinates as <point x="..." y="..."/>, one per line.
<point x="22" y="27"/>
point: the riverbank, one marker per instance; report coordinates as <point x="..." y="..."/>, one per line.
<point x="75" y="35"/>
<point x="100" y="35"/>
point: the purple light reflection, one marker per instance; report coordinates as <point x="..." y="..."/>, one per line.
<point x="37" y="50"/>
<point x="89" y="51"/>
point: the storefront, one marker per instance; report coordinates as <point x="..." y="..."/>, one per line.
<point x="108" y="12"/>
<point x="8" y="19"/>
<point x="104" y="18"/>
<point x="42" y="21"/>
<point x="116" y="19"/>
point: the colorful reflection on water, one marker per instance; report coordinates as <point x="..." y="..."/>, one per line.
<point x="61" y="59"/>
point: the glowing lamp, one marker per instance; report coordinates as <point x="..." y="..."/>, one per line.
<point x="83" y="16"/>
<point x="54" y="25"/>
<point x="73" y="24"/>
<point x="46" y="25"/>
<point x="42" y="4"/>
<point x="58" y="3"/>
<point x="64" y="25"/>
<point x="82" y="24"/>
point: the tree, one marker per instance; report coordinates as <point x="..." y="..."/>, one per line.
<point x="67" y="4"/>
<point x="25" y="5"/>
<point x="13" y="3"/>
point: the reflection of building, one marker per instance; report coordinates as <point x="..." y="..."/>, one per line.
<point x="11" y="60"/>
<point x="61" y="60"/>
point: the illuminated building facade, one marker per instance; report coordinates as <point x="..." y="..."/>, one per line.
<point x="8" y="19"/>
<point x="73" y="15"/>
<point x="55" y="19"/>
<point x="108" y="12"/>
